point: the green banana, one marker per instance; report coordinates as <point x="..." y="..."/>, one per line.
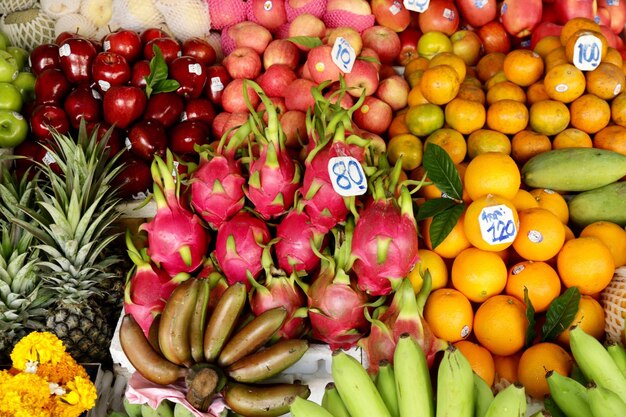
<point x="604" y="402"/>
<point x="596" y="363"/>
<point x="386" y="385"/>
<point x="357" y="390"/>
<point x="263" y="400"/>
<point x="223" y="320"/>
<point x="164" y="409"/>
<point x="413" y="385"/>
<point x="542" y="413"/>
<point x="568" y="394"/>
<point x="133" y="410"/>
<point x="618" y="353"/>
<point x="332" y="402"/>
<point x="510" y="402"/>
<point x="268" y="362"/>
<point x="305" y="408"/>
<point x="483" y="396"/>
<point x="198" y="321"/>
<point x="182" y="411"/>
<point x="174" y="325"/>
<point x="455" y="398"/>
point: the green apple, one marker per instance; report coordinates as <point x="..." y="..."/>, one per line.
<point x="13" y="129"/>
<point x="20" y="55"/>
<point x="10" y="97"/>
<point x="4" y="41"/>
<point x="25" y="83"/>
<point x="8" y="67"/>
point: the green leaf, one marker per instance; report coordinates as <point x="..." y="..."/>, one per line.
<point x="444" y="222"/>
<point x="306" y="41"/>
<point x="560" y="314"/>
<point x="431" y="207"/>
<point x="166" y="86"/>
<point x="158" y="66"/>
<point x="369" y="59"/>
<point x="530" y="316"/>
<point x="442" y="172"/>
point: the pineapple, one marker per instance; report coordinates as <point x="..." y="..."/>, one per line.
<point x="77" y="209"/>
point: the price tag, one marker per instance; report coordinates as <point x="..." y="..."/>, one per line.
<point x="195" y="69"/>
<point x="497" y="224"/>
<point x="419" y="6"/>
<point x="395" y="8"/>
<point x="104" y="85"/>
<point x="347" y="176"/>
<point x="587" y="52"/>
<point x="216" y="84"/>
<point x="343" y="54"/>
<point x="449" y="14"/>
<point x="65" y="50"/>
<point x="48" y="159"/>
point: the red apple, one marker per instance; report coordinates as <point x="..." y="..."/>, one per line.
<point x="109" y="69"/>
<point x="114" y="143"/>
<point x="374" y="115"/>
<point x="467" y="45"/>
<point x="124" y="42"/>
<point x="251" y="35"/>
<point x="217" y="79"/>
<point x="609" y="35"/>
<point x="520" y="17"/>
<point x="617" y="11"/>
<point x="408" y="45"/>
<point x="276" y="79"/>
<point x="51" y="87"/>
<point x="165" y="108"/>
<point x="233" y="99"/>
<point x="293" y="123"/>
<point x="333" y="95"/>
<point x="298" y="95"/>
<point x="43" y="57"/>
<point x="544" y="29"/>
<point x="83" y="103"/>
<point x="494" y="38"/>
<point x="566" y="10"/>
<point x="152" y="33"/>
<point x="394" y="91"/>
<point x="360" y="7"/>
<point x="441" y="15"/>
<point x="185" y="135"/>
<point x="321" y="66"/>
<point x="134" y="180"/>
<point x="372" y="57"/>
<point x="47" y="117"/>
<point x="234" y="121"/>
<point x="170" y="48"/>
<point x="147" y="138"/>
<point x="392" y="14"/>
<point x="65" y="35"/>
<point x="349" y="34"/>
<point x="279" y="106"/>
<point x="139" y="71"/>
<point x="477" y="12"/>
<point x="123" y="105"/>
<point x="384" y="41"/>
<point x="76" y="56"/>
<point x="270" y="14"/>
<point x="190" y="74"/>
<point x="306" y="25"/>
<point x="200" y="110"/>
<point x="281" y="51"/>
<point x="217" y="127"/>
<point x="362" y="79"/>
<point x="243" y="62"/>
<point x="200" y="49"/>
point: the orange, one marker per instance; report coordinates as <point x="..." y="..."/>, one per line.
<point x="541" y="280"/>
<point x="471" y="79"/>
<point x="590" y="113"/>
<point x="440" y="84"/>
<point x="485" y="140"/>
<point x="552" y="201"/>
<point x="612" y="235"/>
<point x="536" y="92"/>
<point x="536" y="361"/>
<point x="499" y="77"/>
<point x="435" y="265"/>
<point x="612" y="138"/>
<point x="409" y="148"/>
<point x="590" y="316"/>
<point x="506" y="367"/>
<point x="572" y="52"/>
<point x="554" y="58"/>
<point x="414" y="78"/>
<point x="478" y="274"/>
<point x="492" y="173"/>
<point x="574" y="25"/>
<point x="415" y="96"/>
<point x="453" y="244"/>
<point x="480" y="360"/>
<point x="500" y="324"/>
<point x="572" y="138"/>
<point x="569" y="234"/>
<point x="526" y="144"/>
<point x="546" y="45"/>
<point x="613" y="56"/>
<point x="585" y="262"/>
<point x="507" y="116"/>
<point x="418" y="63"/>
<point x="398" y="125"/>
<point x="523" y="67"/>
<point x="606" y="81"/>
<point x="618" y="110"/>
<point x="491" y="223"/>
<point x="541" y="234"/>
<point x="564" y="82"/>
<point x="449" y="314"/>
<point x="464" y="115"/>
<point x="448" y="58"/>
<point x="489" y="65"/>
<point x="471" y="92"/>
<point x="451" y="141"/>
<point x="549" y="117"/>
<point x="424" y="119"/>
<point x="524" y="200"/>
<point x="506" y="90"/>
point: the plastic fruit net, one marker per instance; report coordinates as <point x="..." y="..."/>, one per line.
<point x="226" y="12"/>
<point x="314" y="7"/>
<point x="228" y="43"/>
<point x="10" y="6"/>
<point x="58" y="8"/>
<point x="185" y="19"/>
<point x="28" y="28"/>
<point x="75" y="23"/>
<point x="613" y="299"/>
<point x="338" y="18"/>
<point x="136" y="15"/>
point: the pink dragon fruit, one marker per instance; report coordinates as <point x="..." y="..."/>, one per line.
<point x="177" y="241"/>
<point x="385" y="242"/>
<point x="239" y="247"/>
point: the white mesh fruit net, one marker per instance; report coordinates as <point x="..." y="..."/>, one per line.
<point x="136" y="14"/>
<point x="215" y="39"/>
<point x="75" y="23"/>
<point x="58" y="8"/>
<point x="28" y="28"/>
<point x="98" y="11"/>
<point x="613" y="299"/>
<point x="186" y="18"/>
<point x="10" y="6"/>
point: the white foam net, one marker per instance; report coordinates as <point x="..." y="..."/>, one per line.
<point x="10" y="6"/>
<point x="186" y="18"/>
<point x="75" y="23"/>
<point x="613" y="299"/>
<point x="31" y="33"/>
<point x="136" y="14"/>
<point x="58" y="8"/>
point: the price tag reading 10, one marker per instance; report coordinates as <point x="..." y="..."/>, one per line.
<point x="497" y="224"/>
<point x="587" y="52"/>
<point x="347" y="176"/>
<point x="419" y="6"/>
<point x="343" y="54"/>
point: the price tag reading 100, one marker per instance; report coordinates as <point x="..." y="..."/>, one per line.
<point x="347" y="176"/>
<point x="419" y="6"/>
<point x="497" y="224"/>
<point x="587" y="52"/>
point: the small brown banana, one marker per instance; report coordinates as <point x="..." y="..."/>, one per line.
<point x="268" y="362"/>
<point x="223" y="320"/>
<point x="174" y="325"/>
<point x="153" y="334"/>
<point x="144" y="358"/>
<point x="264" y="400"/>
<point x="198" y="321"/>
<point x="252" y="336"/>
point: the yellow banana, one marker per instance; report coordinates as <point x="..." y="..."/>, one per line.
<point x="223" y="320"/>
<point x="483" y="396"/>
<point x="174" y="324"/>
<point x="305" y="408"/>
<point x="455" y="385"/>
<point x="568" y="394"/>
<point x="263" y="400"/>
<point x="618" y="353"/>
<point x="604" y="402"/>
<point x="332" y="402"/>
<point x="198" y="321"/>
<point x="413" y="385"/>
<point x="386" y="385"/>
<point x="357" y="390"/>
<point x="596" y="363"/>
<point x="510" y="402"/>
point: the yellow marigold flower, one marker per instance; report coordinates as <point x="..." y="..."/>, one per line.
<point x="81" y="392"/>
<point x="63" y="372"/>
<point x="23" y="395"/>
<point x="42" y="347"/>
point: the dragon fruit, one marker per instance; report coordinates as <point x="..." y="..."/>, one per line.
<point x="177" y="241"/>
<point x="239" y="247"/>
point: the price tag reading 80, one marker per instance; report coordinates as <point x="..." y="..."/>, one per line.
<point x="347" y="176"/>
<point x="343" y="54"/>
<point x="497" y="224"/>
<point x="587" y="52"/>
<point x="419" y="6"/>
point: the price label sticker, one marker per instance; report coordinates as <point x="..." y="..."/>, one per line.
<point x="419" y="6"/>
<point x="587" y="52"/>
<point x="104" y="85"/>
<point x="106" y="45"/>
<point x="17" y="115"/>
<point x="480" y="3"/>
<point x="343" y="54"/>
<point x="497" y="224"/>
<point x="128" y="144"/>
<point x="95" y="94"/>
<point x="395" y="8"/>
<point x="65" y="50"/>
<point x="347" y="176"/>
<point x="449" y="14"/>
<point x="268" y="5"/>
<point x="48" y="159"/>
<point x="195" y="69"/>
<point x="216" y="84"/>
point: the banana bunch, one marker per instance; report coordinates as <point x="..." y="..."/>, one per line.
<point x="604" y="368"/>
<point x="215" y="353"/>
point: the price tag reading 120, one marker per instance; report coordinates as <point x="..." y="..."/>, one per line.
<point x="347" y="176"/>
<point x="587" y="52"/>
<point x="419" y="6"/>
<point x="497" y="224"/>
<point x="343" y="54"/>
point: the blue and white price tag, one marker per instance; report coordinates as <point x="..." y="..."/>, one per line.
<point x="497" y="224"/>
<point x="419" y="6"/>
<point x="343" y="54"/>
<point x="347" y="176"/>
<point x="587" y="52"/>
